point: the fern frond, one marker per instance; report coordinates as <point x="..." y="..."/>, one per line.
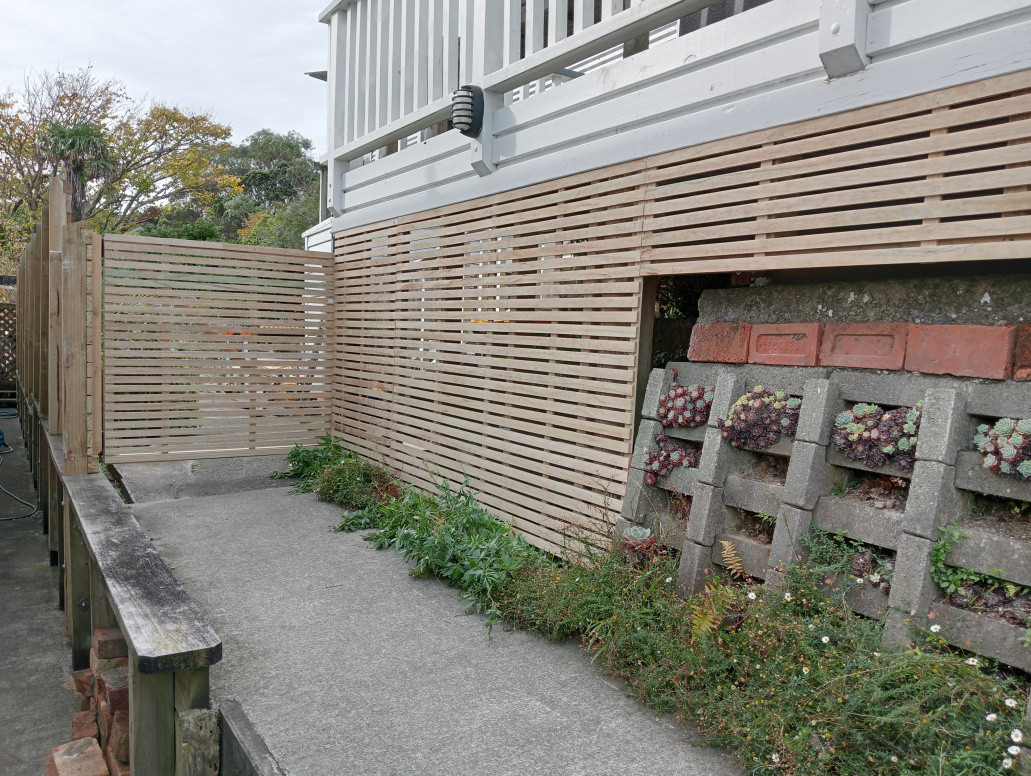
<point x="732" y="561"/>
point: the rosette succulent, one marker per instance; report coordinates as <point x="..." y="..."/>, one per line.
<point x="760" y="418"/>
<point x="685" y="405"/>
<point x="1006" y="446"/>
<point x="669" y="456"/>
<point x="874" y="436"/>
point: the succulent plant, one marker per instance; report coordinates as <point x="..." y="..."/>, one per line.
<point x="685" y="405"/>
<point x="874" y="436"/>
<point x="759" y="418"/>
<point x="637" y="533"/>
<point x="669" y="456"/>
<point x="1006" y="446"/>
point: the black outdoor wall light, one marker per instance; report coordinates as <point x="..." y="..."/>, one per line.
<point x="467" y="110"/>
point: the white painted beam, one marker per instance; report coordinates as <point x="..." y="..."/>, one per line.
<point x="843" y="36"/>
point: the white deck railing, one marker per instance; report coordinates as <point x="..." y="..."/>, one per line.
<point x="394" y="63"/>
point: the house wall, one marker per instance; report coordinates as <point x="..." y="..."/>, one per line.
<point x="757" y="70"/>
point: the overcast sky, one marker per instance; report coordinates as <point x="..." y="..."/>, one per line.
<point x="242" y="61"/>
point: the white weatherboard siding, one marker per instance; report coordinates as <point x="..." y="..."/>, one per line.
<point x="753" y="71"/>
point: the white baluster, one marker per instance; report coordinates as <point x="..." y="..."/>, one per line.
<point x="396" y="60"/>
<point x="451" y="19"/>
<point x="371" y="27"/>
<point x="384" y="64"/>
<point x="583" y="15"/>
<point x="534" y="36"/>
<point x="437" y="43"/>
<point x="420" y="52"/>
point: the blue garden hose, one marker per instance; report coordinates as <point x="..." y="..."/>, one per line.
<point x="4" y="449"/>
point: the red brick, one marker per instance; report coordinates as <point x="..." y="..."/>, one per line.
<point x="724" y="343"/>
<point x="104" y="722"/>
<point x="1022" y="354"/>
<point x="84" y="725"/>
<point x="113" y="687"/>
<point x="98" y="664"/>
<point x="80" y="758"/>
<point x="116" y="766"/>
<point x="963" y="351"/>
<point x="785" y="344"/>
<point x="83" y="681"/>
<point x="864" y="345"/>
<point x="109" y="643"/>
<point x="87" y="702"/>
<point x="51" y="767"/>
<point x="118" y="741"/>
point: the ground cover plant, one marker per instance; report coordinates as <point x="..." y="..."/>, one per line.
<point x="790" y="679"/>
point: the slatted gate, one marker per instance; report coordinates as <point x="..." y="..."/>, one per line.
<point x="211" y="349"/>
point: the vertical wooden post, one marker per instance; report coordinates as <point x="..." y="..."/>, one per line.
<point x="196" y="727"/>
<point x="57" y="215"/>
<point x="44" y="313"/>
<point x="73" y="325"/>
<point x="101" y="613"/>
<point x="151" y="720"/>
<point x="78" y="596"/>
<point x="95" y="365"/>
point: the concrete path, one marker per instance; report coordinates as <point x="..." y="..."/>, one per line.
<point x="346" y="665"/>
<point x="35" y="656"/>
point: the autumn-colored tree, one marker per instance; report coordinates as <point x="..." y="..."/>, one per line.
<point x="130" y="161"/>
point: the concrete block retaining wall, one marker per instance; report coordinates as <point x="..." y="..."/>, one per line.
<point x="948" y="470"/>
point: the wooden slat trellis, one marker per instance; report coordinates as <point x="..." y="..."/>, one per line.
<point x="8" y="346"/>
<point x="211" y="349"/>
<point x="498" y="338"/>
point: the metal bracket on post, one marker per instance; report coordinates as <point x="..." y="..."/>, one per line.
<point x="843" y="36"/>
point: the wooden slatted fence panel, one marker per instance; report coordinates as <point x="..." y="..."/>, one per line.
<point x="211" y="349"/>
<point x="497" y="338"/>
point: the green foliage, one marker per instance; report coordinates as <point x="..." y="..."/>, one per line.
<point x="354" y="483"/>
<point x="842" y="487"/>
<point x="792" y="681"/>
<point x="448" y="534"/>
<point x="954" y="579"/>
<point x="304" y="462"/>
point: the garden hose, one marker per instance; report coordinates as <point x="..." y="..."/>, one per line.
<point x="4" y="449"/>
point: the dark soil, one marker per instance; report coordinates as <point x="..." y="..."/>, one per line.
<point x="772" y="469"/>
<point x="878" y="490"/>
<point x="1003" y="516"/>
<point x="875" y="568"/>
<point x="1016" y="610"/>
<point x="680" y="505"/>
<point x="754" y="528"/>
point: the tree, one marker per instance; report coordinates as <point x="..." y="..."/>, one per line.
<point x="130" y="161"/>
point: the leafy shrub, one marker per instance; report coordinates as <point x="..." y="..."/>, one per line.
<point x="874" y="436"/>
<point x="304" y="462"/>
<point x="448" y="534"/>
<point x="759" y="419"/>
<point x="354" y="483"/>
<point x="1006" y="446"/>
<point x="791" y="680"/>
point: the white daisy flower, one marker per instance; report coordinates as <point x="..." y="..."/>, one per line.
<point x="859" y="581"/>
<point x="668" y="580"/>
<point x="826" y="639"/>
<point x="775" y="757"/>
<point x="992" y="717"/>
<point x="894" y="759"/>
<point x="788" y="596"/>
<point x="1007" y="762"/>
<point x="936" y="628"/>
<point x="1011" y="703"/>
<point x="1013" y="750"/>
<point x="805" y="670"/>
<point x="752" y="595"/>
<point x="1016" y="736"/>
<point x="972" y="661"/>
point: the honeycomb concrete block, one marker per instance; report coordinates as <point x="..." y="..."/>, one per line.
<point x="659" y="382"/>
<point x="898" y="628"/>
<point x="912" y="589"/>
<point x="820" y="404"/>
<point x="809" y="476"/>
<point x="945" y="427"/>
<point x="708" y="515"/>
<point x="754" y="555"/>
<point x="787" y="547"/>
<point x="752" y="496"/>
<point x="695" y="568"/>
<point x="719" y="459"/>
<point x="729" y="388"/>
<point x="933" y="499"/>
<point x="645" y="442"/>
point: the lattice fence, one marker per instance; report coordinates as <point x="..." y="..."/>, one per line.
<point x="498" y="338"/>
<point x="211" y="350"/>
<point x="8" y="344"/>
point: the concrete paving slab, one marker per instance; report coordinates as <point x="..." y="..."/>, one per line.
<point x="35" y="656"/>
<point x="166" y="480"/>
<point x="345" y="664"/>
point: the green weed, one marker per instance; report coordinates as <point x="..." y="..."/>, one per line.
<point x="304" y="462"/>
